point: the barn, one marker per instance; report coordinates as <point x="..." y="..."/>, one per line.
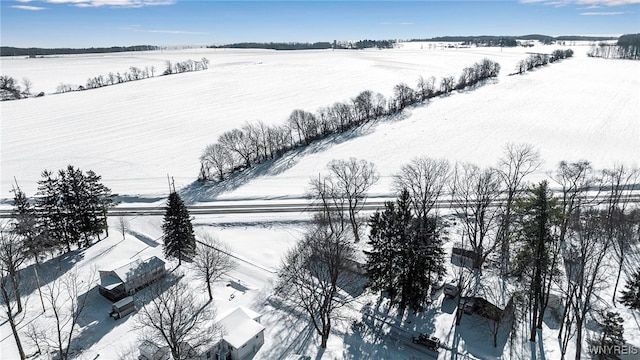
<point x="124" y="281"/>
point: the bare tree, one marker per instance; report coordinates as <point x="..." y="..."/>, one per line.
<point x="518" y="161"/>
<point x="447" y="84"/>
<point x="590" y="273"/>
<point x="171" y="315"/>
<point x="404" y="95"/>
<point x="363" y="106"/>
<point x="304" y="124"/>
<point x="351" y="180"/>
<point x="67" y="297"/>
<point x="475" y="192"/>
<point x="425" y="179"/>
<point x="27" y="86"/>
<point x="576" y="179"/>
<point x="618" y="184"/>
<point x="212" y="260"/>
<point x="123" y="225"/>
<point x="10" y="293"/>
<point x="12" y="256"/>
<point x="217" y="157"/>
<point x="236" y="141"/>
<point x="36" y="335"/>
<point x="316" y="273"/>
<point x="426" y="88"/>
<point x="344" y="114"/>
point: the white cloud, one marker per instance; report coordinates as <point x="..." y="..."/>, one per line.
<point x="27" y="7"/>
<point x="113" y="3"/>
<point x="608" y="2"/>
<point x="595" y="3"/>
<point x="602" y="13"/>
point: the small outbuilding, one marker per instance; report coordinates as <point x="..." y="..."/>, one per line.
<point x="125" y="280"/>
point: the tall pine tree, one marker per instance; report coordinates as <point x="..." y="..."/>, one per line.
<point x="72" y="207"/>
<point x="26" y="224"/>
<point x="631" y="294"/>
<point x="406" y="256"/>
<point x="179" y="239"/>
<point x="537" y="258"/>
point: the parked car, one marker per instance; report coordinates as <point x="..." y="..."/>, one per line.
<point x="427" y="340"/>
<point x="451" y="290"/>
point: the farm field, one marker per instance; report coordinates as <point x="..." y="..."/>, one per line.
<point x="136" y="133"/>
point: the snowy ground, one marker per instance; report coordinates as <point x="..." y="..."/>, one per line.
<point x="133" y="134"/>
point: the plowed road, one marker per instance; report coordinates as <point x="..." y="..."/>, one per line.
<point x="271" y="206"/>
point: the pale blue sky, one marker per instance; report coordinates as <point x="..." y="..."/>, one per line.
<point x="95" y="23"/>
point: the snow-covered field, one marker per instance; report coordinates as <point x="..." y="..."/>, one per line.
<point x="136" y="133"/>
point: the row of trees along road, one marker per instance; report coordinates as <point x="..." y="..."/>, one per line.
<point x="253" y="144"/>
<point x="529" y="233"/>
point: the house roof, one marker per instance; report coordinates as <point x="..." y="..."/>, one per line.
<point x="134" y="269"/>
<point x="239" y="326"/>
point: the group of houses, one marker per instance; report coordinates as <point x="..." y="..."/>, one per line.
<point x="243" y="334"/>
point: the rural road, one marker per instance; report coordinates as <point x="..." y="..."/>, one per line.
<point x="277" y="206"/>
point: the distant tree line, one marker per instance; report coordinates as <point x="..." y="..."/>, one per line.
<point x="627" y="47"/>
<point x="14" y="51"/>
<point x="361" y="44"/>
<point x="134" y="74"/>
<point x="511" y="40"/>
<point x="240" y="149"/>
<point x="506" y="41"/>
<point x="276" y="45"/>
<point x="538" y="60"/>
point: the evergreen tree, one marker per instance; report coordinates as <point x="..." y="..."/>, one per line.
<point x="26" y="224"/>
<point x="100" y="200"/>
<point x="406" y="255"/>
<point x="612" y="335"/>
<point x="179" y="239"/>
<point x="538" y="213"/>
<point x="72" y="207"/>
<point x="631" y="295"/>
<point x="50" y="212"/>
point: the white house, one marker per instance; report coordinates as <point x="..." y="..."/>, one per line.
<point x="242" y="337"/>
<point x="242" y="332"/>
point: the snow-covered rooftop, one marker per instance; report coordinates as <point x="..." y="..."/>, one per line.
<point x="239" y="326"/>
<point x="137" y="267"/>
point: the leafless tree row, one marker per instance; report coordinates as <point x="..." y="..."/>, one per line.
<point x="135" y="73"/>
<point x="538" y="60"/>
<point x="239" y="149"/>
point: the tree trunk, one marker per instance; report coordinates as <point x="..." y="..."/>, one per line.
<point x="209" y="290"/>
<point x="578" y="337"/>
<point x="14" y="329"/>
<point x="495" y="338"/>
<point x="16" y="289"/>
<point x="326" y="329"/>
<point x="354" y="225"/>
<point x="615" y="288"/>
<point x="536" y="299"/>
